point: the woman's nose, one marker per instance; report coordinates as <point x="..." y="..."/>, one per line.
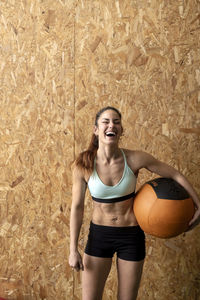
<point x="111" y="125"/>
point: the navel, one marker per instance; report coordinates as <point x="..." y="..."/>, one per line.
<point x="114" y="219"/>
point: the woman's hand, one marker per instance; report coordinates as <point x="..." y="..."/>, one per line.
<point x="153" y="165"/>
<point x="75" y="261"/>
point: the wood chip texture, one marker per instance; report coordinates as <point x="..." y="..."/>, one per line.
<point x="60" y="62"/>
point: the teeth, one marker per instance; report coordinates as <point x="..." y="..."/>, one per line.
<point x="110" y="133"/>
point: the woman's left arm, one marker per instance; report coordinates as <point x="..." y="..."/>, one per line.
<point x="164" y="170"/>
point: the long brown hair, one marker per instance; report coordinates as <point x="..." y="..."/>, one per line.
<point x="85" y="160"/>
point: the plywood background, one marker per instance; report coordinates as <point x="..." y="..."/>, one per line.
<point x="60" y="61"/>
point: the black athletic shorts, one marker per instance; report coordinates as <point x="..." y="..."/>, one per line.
<point x="127" y="242"/>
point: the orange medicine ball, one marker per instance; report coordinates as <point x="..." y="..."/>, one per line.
<point x="163" y="208"/>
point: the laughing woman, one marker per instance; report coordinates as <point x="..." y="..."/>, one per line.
<point x="110" y="173"/>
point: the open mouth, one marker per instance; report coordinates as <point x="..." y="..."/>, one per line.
<point x="110" y="134"/>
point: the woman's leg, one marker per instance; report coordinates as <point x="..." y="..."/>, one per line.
<point x="96" y="271"/>
<point x="129" y="275"/>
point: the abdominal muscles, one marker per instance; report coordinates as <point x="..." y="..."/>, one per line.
<point x="117" y="214"/>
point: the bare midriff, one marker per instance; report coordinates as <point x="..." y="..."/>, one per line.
<point x="117" y="214"/>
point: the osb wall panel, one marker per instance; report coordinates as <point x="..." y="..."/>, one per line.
<point x="143" y="58"/>
<point x="36" y="131"/>
<point x="60" y="62"/>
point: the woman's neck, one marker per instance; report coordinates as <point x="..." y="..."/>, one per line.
<point x="108" y="153"/>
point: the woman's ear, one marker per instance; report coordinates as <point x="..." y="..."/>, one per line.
<point x="95" y="130"/>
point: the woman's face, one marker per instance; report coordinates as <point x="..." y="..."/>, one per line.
<point x="109" y="127"/>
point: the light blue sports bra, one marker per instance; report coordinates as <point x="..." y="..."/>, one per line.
<point x="123" y="190"/>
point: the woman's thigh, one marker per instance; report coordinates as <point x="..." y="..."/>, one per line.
<point x="129" y="276"/>
<point x="94" y="275"/>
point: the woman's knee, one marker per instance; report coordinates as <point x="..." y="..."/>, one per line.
<point x="96" y="271"/>
<point x="129" y="277"/>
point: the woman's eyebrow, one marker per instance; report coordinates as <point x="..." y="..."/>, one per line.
<point x="106" y="119"/>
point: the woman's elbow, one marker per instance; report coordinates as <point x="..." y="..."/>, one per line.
<point x="77" y="209"/>
<point x="178" y="177"/>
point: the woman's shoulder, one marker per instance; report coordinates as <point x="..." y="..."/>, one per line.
<point x="79" y="173"/>
<point x="135" y="158"/>
<point x="132" y="154"/>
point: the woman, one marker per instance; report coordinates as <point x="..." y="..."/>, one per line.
<point x="110" y="173"/>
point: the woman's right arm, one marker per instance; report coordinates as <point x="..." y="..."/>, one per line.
<point x="76" y="218"/>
